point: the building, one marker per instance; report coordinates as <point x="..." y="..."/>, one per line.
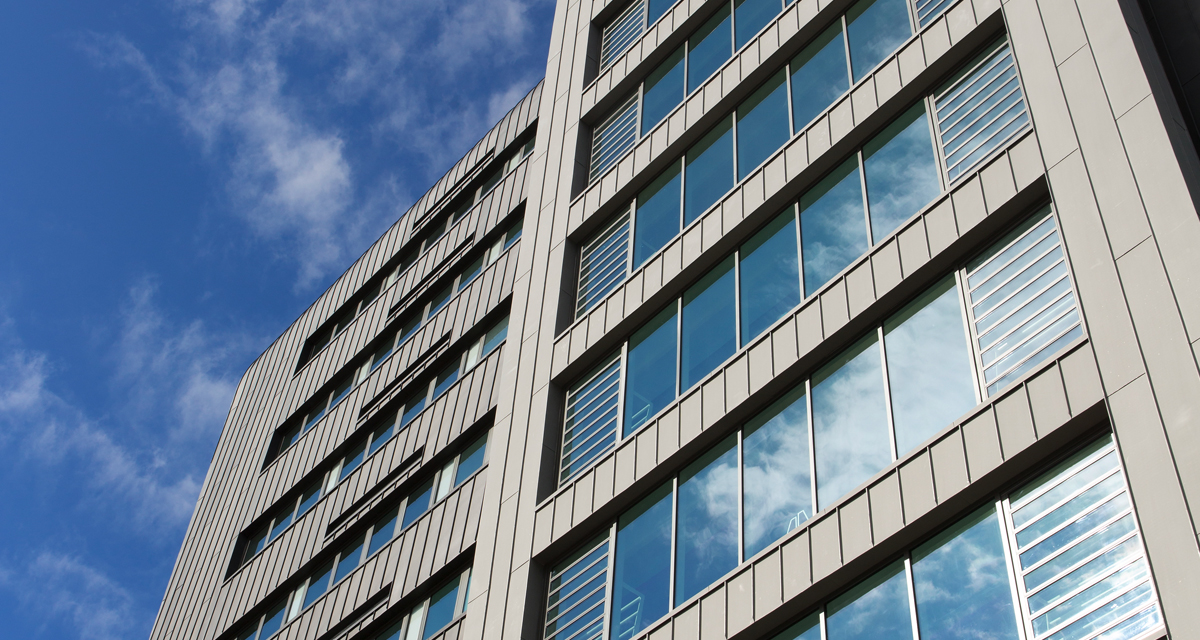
<point x="836" y="319"/>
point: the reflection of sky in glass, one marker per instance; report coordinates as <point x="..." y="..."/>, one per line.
<point x="709" y="323"/>
<point x="762" y="124"/>
<point x="707" y="534"/>
<point x="833" y="229"/>
<point x="643" y="564"/>
<point x="709" y="48"/>
<point x="751" y="16"/>
<point x="709" y="171"/>
<point x="902" y="173"/>
<point x="819" y="76"/>
<point x="663" y="91"/>
<point x="775" y="477"/>
<point x="929" y="366"/>
<point x="650" y="380"/>
<point x="874" y="609"/>
<point x="850" y="426"/>
<point x="807" y="629"/>
<point x="657" y="215"/>
<point x="656" y="8"/>
<point x="470" y="461"/>
<point x="441" y="608"/>
<point x="770" y="275"/>
<point x="961" y="583"/>
<point x="876" y="28"/>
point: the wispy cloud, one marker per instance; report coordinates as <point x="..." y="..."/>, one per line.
<point x="312" y="110"/>
<point x="66" y="588"/>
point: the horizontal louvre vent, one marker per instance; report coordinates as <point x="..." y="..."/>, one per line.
<point x="1022" y="304"/>
<point x="622" y="32"/>
<point x="590" y="429"/>
<point x="603" y="263"/>
<point x="613" y="137"/>
<point x="981" y="112"/>
<point x="579" y="595"/>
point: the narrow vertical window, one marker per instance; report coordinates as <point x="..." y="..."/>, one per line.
<point x="709" y="47"/>
<point x="762" y="124"/>
<point x="348" y="559"/>
<point x="929" y="365"/>
<point x="613" y="137"/>
<point x="658" y="214"/>
<point x="318" y="584"/>
<point x="832" y="225"/>
<point x="382" y="532"/>
<point x="651" y="380"/>
<point x="709" y="326"/>
<point x="663" y="90"/>
<point x="820" y="76"/>
<point x="877" y="607"/>
<point x="708" y="173"/>
<point x="470" y="460"/>
<point x="706" y="538"/>
<point x="442" y="608"/>
<point x="901" y="172"/>
<point x="602" y="263"/>
<point x="418" y="503"/>
<point x="769" y="274"/>
<point x="850" y="425"/>
<point x="642" y="576"/>
<point x="777" y="483"/>
<point x="875" y="28"/>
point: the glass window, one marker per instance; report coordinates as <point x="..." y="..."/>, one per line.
<point x="383" y="532"/>
<point x="348" y="559"/>
<point x="469" y="273"/>
<point x="382" y="352"/>
<point x="513" y="234"/>
<point x="614" y="136"/>
<point x="309" y="498"/>
<point x="418" y="503"/>
<point x="850" y="426"/>
<point x="602" y="263"/>
<point x="445" y="379"/>
<point x="289" y="437"/>
<point x="663" y="91"/>
<point x="876" y="28"/>
<point x="470" y="460"/>
<point x="256" y="544"/>
<point x="314" y="416"/>
<point x="770" y="275"/>
<point x="352" y="460"/>
<point x="706" y="544"/>
<point x="807" y="629"/>
<point x="412" y="408"/>
<point x="439" y="301"/>
<point x="590" y="423"/>
<point x="341" y="390"/>
<point x="317" y="584"/>
<point x="273" y="621"/>
<point x="281" y="522"/>
<point x="775" y="474"/>
<point x="650" y="381"/>
<point x="642" y="578"/>
<point x="929" y="365"/>
<point x="709" y="171"/>
<point x="751" y="16"/>
<point x="408" y="328"/>
<point x="709" y="333"/>
<point x="875" y="608"/>
<point x="657" y="215"/>
<point x="819" y="76"/>
<point x="709" y="48"/>
<point x="832" y="226"/>
<point x="382" y="434"/>
<point x="577" y="602"/>
<point x="762" y="124"/>
<point x="902" y="173"/>
<point x="961" y="583"/>
<point x="441" y="608"/>
<point x="656" y="8"/>
<point x="495" y="336"/>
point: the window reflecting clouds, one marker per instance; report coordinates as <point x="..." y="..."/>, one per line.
<point x="707" y="538"/>
<point x="643" y="565"/>
<point x="902" y="172"/>
<point x="777" y="486"/>
<point x="769" y="276"/>
<point x="876" y="608"/>
<point x="832" y="226"/>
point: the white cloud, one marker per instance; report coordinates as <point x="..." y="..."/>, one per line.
<point x="64" y="588"/>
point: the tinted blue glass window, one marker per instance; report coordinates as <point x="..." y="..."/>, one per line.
<point x="353" y="459"/>
<point x="310" y="497"/>
<point x="382" y="434"/>
<point x="411" y="409"/>
<point x="709" y="323"/>
<point x="439" y="301"/>
<point x="418" y="503"/>
<point x="341" y="390"/>
<point x="656" y="8"/>
<point x="819" y="76"/>
<point x="902" y="173"/>
<point x="658" y="215"/>
<point x="281" y="522"/>
<point x="650" y="381"/>
<point x="470" y="460"/>
<point x="807" y="629"/>
<point x="348" y="560"/>
<point x="446" y="379"/>
<point x="274" y="620"/>
<point x="441" y="608"/>
<point x="706" y="537"/>
<point x="495" y="336"/>
<point x="317" y="584"/>
<point x="876" y="608"/>
<point x="751" y="16"/>
<point x="770" y="275"/>
<point x="929" y="365"/>
<point x="384" y="530"/>
<point x="833" y="228"/>
<point x="709" y="171"/>
<point x="709" y="48"/>
<point x="408" y="328"/>
<point x="762" y="124"/>
<point x="876" y="28"/>
<point x="642" y="580"/>
<point x="960" y="579"/>
<point x="663" y="90"/>
<point x="775" y="474"/>
<point x="850" y="427"/>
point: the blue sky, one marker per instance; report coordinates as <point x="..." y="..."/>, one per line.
<point x="179" y="179"/>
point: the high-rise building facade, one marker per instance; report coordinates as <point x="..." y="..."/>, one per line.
<point x="808" y="319"/>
